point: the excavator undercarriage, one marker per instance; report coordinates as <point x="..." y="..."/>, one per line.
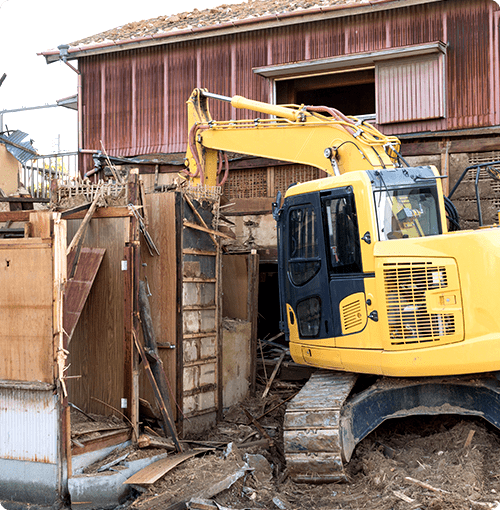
<point x="334" y="411"/>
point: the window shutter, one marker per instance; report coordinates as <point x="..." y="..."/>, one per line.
<point x="410" y="89"/>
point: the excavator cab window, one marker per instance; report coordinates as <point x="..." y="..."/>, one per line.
<point x="342" y="234"/>
<point x="407" y="212"/>
<point x="304" y="260"/>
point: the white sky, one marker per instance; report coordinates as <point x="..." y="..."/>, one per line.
<point x="28" y="27"/>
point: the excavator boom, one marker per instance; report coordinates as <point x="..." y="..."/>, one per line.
<point x="316" y="136"/>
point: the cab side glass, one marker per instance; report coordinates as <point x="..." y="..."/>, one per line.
<point x="303" y="256"/>
<point x="343" y="236"/>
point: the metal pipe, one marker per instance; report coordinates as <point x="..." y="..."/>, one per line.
<point x="257" y="106"/>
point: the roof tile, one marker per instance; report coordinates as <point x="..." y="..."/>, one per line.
<point x="210" y="17"/>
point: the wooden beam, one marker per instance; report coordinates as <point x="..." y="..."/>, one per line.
<point x="160" y="383"/>
<point x="103" y="212"/>
<point x="25" y="200"/>
<point x="203" y="229"/>
<point x="86" y="220"/>
<point x="252" y="313"/>
<point x="131" y="308"/>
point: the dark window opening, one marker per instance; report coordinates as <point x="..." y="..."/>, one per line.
<point x="269" y="303"/>
<point x="353" y="93"/>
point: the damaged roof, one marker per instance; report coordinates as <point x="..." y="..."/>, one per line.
<point x="252" y="14"/>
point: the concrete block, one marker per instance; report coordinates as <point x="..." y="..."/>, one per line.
<point x="208" y="347"/>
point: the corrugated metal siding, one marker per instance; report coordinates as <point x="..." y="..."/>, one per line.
<point x="28" y="425"/>
<point x="468" y="65"/>
<point x="143" y="107"/>
<point x="410" y="90"/>
<point x="415" y="25"/>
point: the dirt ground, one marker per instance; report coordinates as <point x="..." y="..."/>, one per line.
<point x="433" y="463"/>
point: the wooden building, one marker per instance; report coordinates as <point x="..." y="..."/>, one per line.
<point x="425" y="70"/>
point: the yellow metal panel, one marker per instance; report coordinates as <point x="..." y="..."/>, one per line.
<point x="353" y="313"/>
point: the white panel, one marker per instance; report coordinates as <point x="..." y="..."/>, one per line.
<point x="29" y="425"/>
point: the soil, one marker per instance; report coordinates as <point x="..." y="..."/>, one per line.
<point x="445" y="462"/>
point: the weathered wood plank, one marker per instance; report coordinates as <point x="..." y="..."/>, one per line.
<point x="156" y="470"/>
<point x="26" y="341"/>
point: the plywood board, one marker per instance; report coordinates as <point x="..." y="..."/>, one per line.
<point x="26" y="311"/>
<point x="78" y="288"/>
<point x="96" y="349"/>
<point x="156" y="470"/>
<point x="161" y="274"/>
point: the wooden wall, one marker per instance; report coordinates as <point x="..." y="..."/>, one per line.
<point x="97" y="347"/>
<point x="161" y="274"/>
<point x="26" y="288"/>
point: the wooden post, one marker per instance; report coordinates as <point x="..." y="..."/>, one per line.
<point x="252" y="312"/>
<point x="131" y="269"/>
<point x="445" y="165"/>
<point x="60" y="352"/>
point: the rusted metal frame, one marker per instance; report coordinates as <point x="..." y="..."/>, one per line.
<point x="131" y="308"/>
<point x="252" y="313"/>
<point x="179" y="333"/>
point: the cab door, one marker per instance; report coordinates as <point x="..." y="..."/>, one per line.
<point x="303" y="269"/>
<point x="344" y="265"/>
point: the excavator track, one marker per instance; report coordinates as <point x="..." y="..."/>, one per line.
<point x="326" y="420"/>
<point x="311" y="430"/>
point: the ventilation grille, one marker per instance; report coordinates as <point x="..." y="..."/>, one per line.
<point x="353" y="313"/>
<point x="406" y="285"/>
<point x="352" y="316"/>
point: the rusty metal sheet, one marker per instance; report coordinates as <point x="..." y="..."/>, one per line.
<point x="78" y="287"/>
<point x="135" y="100"/>
<point x="29" y="425"/>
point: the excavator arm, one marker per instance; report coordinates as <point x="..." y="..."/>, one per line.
<point x="317" y="136"/>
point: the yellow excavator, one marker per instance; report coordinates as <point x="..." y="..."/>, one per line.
<point x="401" y="313"/>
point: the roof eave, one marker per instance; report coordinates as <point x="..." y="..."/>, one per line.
<point x="261" y="23"/>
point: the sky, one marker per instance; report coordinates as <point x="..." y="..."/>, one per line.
<point x="28" y="27"/>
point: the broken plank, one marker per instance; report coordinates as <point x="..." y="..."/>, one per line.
<point x="207" y="230"/>
<point x="102" y="442"/>
<point x="86" y="220"/>
<point x="156" y="470"/>
<point x="103" y="212"/>
<point x="273" y="375"/>
<point x="78" y="288"/>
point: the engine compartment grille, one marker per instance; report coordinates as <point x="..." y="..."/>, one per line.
<point x="406" y="287"/>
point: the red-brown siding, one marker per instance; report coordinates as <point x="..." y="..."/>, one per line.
<point x="134" y="101"/>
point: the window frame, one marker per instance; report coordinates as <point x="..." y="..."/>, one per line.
<point x="381" y="60"/>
